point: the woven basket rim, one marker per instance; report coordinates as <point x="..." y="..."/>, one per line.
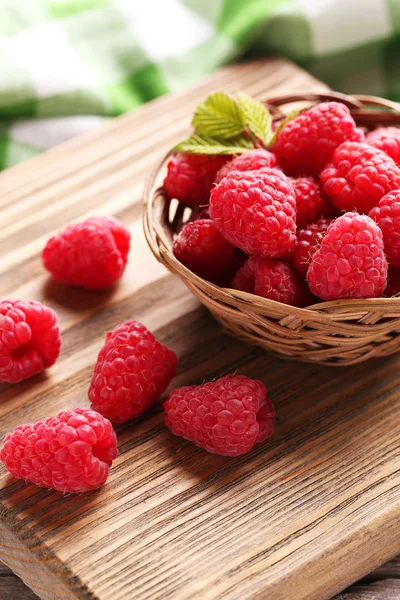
<point x="333" y="310"/>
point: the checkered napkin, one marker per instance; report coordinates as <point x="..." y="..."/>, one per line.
<point x="68" y="65"/>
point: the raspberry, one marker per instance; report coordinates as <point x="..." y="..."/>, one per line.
<point x="311" y="201"/>
<point x="199" y="213"/>
<point x="204" y="250"/>
<point x="255" y="211"/>
<point x="387" y="217"/>
<point x="133" y="369"/>
<point x="288" y="256"/>
<point x="191" y="176"/>
<point x="228" y="416"/>
<point x="92" y="254"/>
<point x="249" y="161"/>
<point x="272" y="279"/>
<point x="393" y="283"/>
<point x="359" y="177"/>
<point x="30" y="339"/>
<point x="308" y="241"/>
<point x="71" y="452"/>
<point x="307" y="143"/>
<point x="386" y="139"/>
<point x="350" y="263"/>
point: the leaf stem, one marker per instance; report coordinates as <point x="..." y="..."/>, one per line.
<point x="253" y="138"/>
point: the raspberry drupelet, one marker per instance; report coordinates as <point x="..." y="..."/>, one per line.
<point x="190" y="177"/>
<point x="350" y="262"/>
<point x="227" y="416"/>
<point x="256" y="211"/>
<point x="30" y="339"/>
<point x="71" y="452"/>
<point x="249" y="161"/>
<point x="307" y="143"/>
<point x="92" y="254"/>
<point x="359" y="176"/>
<point x="132" y="370"/>
<point x="272" y="279"/>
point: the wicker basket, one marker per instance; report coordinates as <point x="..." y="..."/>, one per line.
<point x="341" y="332"/>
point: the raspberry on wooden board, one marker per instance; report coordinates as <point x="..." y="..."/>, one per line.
<point x="132" y="370"/>
<point x="30" y="339"/>
<point x="71" y="452"/>
<point x="227" y="416"/>
<point x="256" y="211"/>
<point x="350" y="262"/>
<point x="92" y="254"/>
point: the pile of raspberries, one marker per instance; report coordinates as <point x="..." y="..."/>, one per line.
<point x="314" y="217"/>
<point x="74" y="450"/>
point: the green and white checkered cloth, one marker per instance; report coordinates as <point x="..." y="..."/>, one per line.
<point x="68" y="65"/>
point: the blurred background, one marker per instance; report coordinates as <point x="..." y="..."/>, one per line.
<point x="69" y="65"/>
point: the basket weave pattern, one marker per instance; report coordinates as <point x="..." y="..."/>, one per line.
<point x="341" y="332"/>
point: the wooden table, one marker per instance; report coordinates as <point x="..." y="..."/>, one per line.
<point x="301" y="517"/>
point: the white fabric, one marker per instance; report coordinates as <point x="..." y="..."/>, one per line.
<point x="340" y="24"/>
<point x="164" y="28"/>
<point x="49" y="59"/>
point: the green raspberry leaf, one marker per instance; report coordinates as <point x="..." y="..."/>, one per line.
<point x="202" y="144"/>
<point x="219" y="116"/>
<point x="258" y="118"/>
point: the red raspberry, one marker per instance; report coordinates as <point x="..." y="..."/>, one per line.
<point x="133" y="369"/>
<point x="386" y="139"/>
<point x="350" y="263"/>
<point x="393" y="283"/>
<point x="249" y="161"/>
<point x="311" y="201"/>
<point x="204" y="250"/>
<point x="30" y="339"/>
<point x="71" y="452"/>
<point x="359" y="177"/>
<point x="387" y="217"/>
<point x="288" y="256"/>
<point x="307" y="143"/>
<point x="272" y="279"/>
<point x="199" y="213"/>
<point x="255" y="211"/>
<point x="308" y="241"/>
<point x="228" y="416"/>
<point x="92" y="254"/>
<point x="191" y="176"/>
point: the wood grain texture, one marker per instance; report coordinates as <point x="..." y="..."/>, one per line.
<point x="321" y="498"/>
<point x="385" y="577"/>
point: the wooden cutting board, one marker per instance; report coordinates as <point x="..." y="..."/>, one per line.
<point x="310" y="511"/>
